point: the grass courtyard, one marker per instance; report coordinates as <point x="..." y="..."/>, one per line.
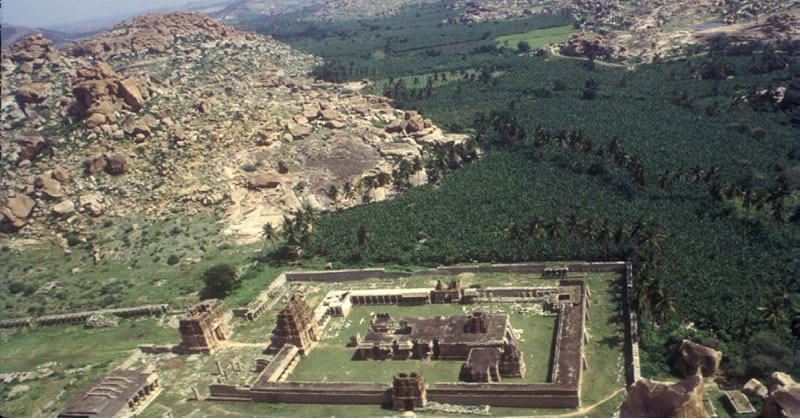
<point x="332" y="360"/>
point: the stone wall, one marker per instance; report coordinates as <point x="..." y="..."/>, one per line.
<point x="326" y="393"/>
<point x="379" y="273"/>
<point x="631" y="347"/>
<point x="82" y="316"/>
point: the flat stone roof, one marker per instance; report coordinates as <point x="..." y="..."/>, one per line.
<point x="107" y="394"/>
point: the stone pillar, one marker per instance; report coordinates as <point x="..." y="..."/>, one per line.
<point x="219" y="367"/>
<point x="196" y="393"/>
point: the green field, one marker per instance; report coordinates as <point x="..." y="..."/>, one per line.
<point x="537" y="38"/>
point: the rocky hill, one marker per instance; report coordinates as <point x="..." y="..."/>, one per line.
<point x="177" y="115"/>
<point x="244" y="9"/>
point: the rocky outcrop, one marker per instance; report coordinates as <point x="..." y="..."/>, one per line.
<point x="693" y="358"/>
<point x="34" y="49"/>
<point x="783" y="400"/>
<point x="16" y="211"/>
<point x="155" y="33"/>
<point x="31" y="94"/>
<point x="100" y="93"/>
<point x="755" y="388"/>
<point x="187" y="139"/>
<point x="647" y="399"/>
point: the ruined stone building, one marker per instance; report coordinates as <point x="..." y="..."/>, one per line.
<point x="487" y="365"/>
<point x="409" y="391"/>
<point x="203" y="328"/>
<point x="487" y="340"/>
<point x="118" y="394"/>
<point x="447" y="294"/>
<point x="296" y="325"/>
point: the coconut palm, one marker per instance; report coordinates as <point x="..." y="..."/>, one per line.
<point x="270" y="234"/>
<point x="554" y="228"/>
<point x="348" y="191"/>
<point x="333" y="195"/>
<point x="665" y="181"/>
<point x="536" y="228"/>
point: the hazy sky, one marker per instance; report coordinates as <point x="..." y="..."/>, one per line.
<point x="46" y="13"/>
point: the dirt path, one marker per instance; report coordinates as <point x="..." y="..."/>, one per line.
<point x="583" y="410"/>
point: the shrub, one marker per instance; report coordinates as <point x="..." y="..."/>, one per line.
<point x="523" y="47"/>
<point x="220" y="280"/>
<point x="173" y="259"/>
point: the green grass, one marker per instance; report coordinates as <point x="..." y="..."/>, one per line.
<point x="77" y="346"/>
<point x="70" y="347"/>
<point x="537" y="38"/>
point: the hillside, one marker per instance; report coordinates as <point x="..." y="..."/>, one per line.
<point x="178" y="115"/>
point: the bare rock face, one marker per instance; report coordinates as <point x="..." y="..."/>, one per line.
<point x="116" y="165"/>
<point x="16" y="211"/>
<point x="262" y="181"/>
<point x="694" y="358"/>
<point x="647" y="399"/>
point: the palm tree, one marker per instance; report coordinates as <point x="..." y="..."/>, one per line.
<point x="554" y="229"/>
<point x="333" y="195"/>
<point x="515" y="234"/>
<point x="773" y="313"/>
<point x="683" y="175"/>
<point x="348" y="191"/>
<point x="574" y="223"/>
<point x="665" y="181"/>
<point x="536" y="227"/>
<point x="698" y="174"/>
<point x="367" y="184"/>
<point x="288" y="231"/>
<point x="270" y="233"/>
<point x="382" y="179"/>
<point x="364" y="238"/>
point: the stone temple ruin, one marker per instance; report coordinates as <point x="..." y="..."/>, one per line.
<point x="203" y="327"/>
<point x="121" y="393"/>
<point x="296" y="326"/>
<point x="486" y="342"/>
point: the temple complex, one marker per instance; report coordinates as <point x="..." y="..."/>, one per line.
<point x="296" y="325"/>
<point x="118" y="394"/>
<point x="203" y="327"/>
